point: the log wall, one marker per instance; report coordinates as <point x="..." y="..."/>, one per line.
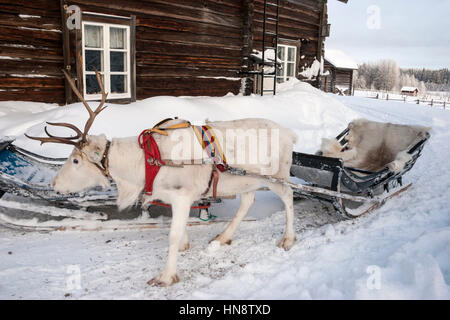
<point x="338" y="77"/>
<point x="298" y="21"/>
<point x="31" y="56"/>
<point x="183" y="47"/>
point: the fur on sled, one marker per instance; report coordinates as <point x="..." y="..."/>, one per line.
<point x="374" y="146"/>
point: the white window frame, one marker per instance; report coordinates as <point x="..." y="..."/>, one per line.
<point x="106" y="73"/>
<point x="284" y="62"/>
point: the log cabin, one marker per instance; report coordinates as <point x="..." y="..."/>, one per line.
<point x="145" y="48"/>
<point x="339" y="70"/>
<point x="409" y="91"/>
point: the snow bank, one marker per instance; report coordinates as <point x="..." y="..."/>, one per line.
<point x="311" y="113"/>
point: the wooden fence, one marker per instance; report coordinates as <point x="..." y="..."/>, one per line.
<point x="431" y="102"/>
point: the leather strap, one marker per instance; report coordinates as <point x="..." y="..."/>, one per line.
<point x="213" y="181"/>
<point x="104" y="168"/>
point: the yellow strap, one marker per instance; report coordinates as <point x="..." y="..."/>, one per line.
<point x="175" y="126"/>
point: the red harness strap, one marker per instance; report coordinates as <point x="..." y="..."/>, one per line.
<point x="153" y="161"/>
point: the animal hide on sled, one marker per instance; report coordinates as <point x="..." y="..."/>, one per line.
<point x="374" y="145"/>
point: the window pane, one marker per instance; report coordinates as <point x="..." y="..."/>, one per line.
<point x="280" y="71"/>
<point x="281" y="53"/>
<point x="118" y="84"/>
<point x="291" y="54"/>
<point x="93" y="36"/>
<point x="118" y="61"/>
<point x="117" y="38"/>
<point x="94" y="60"/>
<point x="92" y="86"/>
<point x="290" y="70"/>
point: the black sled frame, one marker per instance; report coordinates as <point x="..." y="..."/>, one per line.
<point x="330" y="173"/>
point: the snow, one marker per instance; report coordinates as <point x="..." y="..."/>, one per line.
<point x="400" y="251"/>
<point x="311" y="113"/>
<point x="340" y="59"/>
<point x="314" y="70"/>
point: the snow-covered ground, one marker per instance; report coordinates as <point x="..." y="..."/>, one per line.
<point x="401" y="250"/>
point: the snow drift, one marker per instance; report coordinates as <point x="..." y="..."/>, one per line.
<point x="311" y="113"/>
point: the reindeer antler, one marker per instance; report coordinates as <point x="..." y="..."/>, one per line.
<point x="89" y="122"/>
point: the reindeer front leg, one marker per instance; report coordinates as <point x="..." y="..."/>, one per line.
<point x="180" y="215"/>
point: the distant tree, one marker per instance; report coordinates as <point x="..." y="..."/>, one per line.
<point x="387" y="75"/>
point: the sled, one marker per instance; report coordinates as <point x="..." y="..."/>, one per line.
<point x="364" y="190"/>
<point x="26" y="176"/>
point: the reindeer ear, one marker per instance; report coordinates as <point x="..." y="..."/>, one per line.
<point x="95" y="148"/>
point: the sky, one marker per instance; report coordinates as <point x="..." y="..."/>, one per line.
<point x="415" y="33"/>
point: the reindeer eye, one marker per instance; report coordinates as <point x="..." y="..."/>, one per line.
<point x="75" y="161"/>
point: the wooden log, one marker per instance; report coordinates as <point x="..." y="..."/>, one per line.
<point x="157" y="70"/>
<point x="14" y="20"/>
<point x="202" y="50"/>
<point x="169" y="24"/>
<point x="186" y="60"/>
<point x="179" y="37"/>
<point x="30" y="37"/>
<point x="31" y="53"/>
<point x="194" y="83"/>
<point x="143" y="93"/>
<point x="32" y="82"/>
<point x="37" y="95"/>
<point x="165" y="9"/>
<point x="31" y="67"/>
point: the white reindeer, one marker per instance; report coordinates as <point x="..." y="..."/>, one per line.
<point x="94" y="160"/>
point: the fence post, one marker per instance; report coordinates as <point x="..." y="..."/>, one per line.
<point x="404" y="99"/>
<point x="444" y="105"/>
<point x="377" y="95"/>
<point x="387" y="96"/>
<point x="418" y="101"/>
<point x="431" y="102"/>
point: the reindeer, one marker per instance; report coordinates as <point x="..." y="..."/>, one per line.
<point x="95" y="160"/>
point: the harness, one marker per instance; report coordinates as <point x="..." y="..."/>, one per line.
<point x="153" y="161"/>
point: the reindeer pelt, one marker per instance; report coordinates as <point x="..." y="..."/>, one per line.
<point x="374" y="145"/>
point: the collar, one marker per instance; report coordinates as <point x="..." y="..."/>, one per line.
<point x="104" y="162"/>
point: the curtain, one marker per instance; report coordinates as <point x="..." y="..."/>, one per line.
<point x="93" y="36"/>
<point x="117" y="38"/>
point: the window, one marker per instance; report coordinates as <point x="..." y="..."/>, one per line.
<point x="287" y="55"/>
<point x="106" y="48"/>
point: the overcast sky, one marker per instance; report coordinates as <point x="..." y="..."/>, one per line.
<point x="415" y="33"/>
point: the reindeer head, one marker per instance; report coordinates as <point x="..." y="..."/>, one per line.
<point x="86" y="166"/>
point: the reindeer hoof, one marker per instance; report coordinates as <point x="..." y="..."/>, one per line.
<point x="184" y="247"/>
<point x="163" y="281"/>
<point x="287" y="243"/>
<point x="221" y="240"/>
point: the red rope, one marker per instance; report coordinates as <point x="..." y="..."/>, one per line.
<point x="153" y="161"/>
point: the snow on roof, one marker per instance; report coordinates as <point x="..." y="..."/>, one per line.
<point x="339" y="59"/>
<point x="409" y="89"/>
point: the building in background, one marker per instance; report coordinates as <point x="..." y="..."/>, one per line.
<point x="410" y="91"/>
<point x="338" y="72"/>
<point x="153" y="47"/>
